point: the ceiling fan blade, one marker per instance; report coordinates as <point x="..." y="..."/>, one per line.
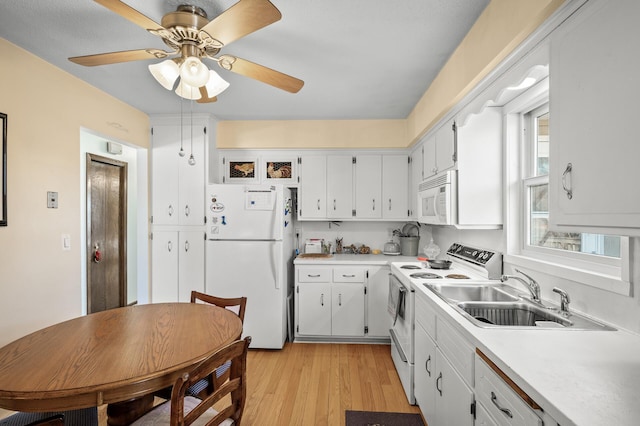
<point x="241" y="19"/>
<point x="130" y="13"/>
<point x="204" y="96"/>
<point x="261" y="73"/>
<point x="117" y="57"/>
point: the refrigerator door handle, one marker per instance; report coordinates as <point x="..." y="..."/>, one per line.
<point x="275" y="261"/>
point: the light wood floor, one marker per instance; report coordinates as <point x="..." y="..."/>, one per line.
<point x="313" y="384"/>
<point x="309" y="384"/>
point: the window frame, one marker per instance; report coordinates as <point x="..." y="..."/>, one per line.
<point x="607" y="273"/>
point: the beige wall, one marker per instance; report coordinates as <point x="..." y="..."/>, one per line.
<point x="502" y="26"/>
<point x="46" y="108"/>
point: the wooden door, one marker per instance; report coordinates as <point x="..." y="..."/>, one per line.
<point x="106" y="233"/>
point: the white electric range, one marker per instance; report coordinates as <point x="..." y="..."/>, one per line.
<point x="468" y="264"/>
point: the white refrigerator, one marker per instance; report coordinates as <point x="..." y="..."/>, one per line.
<point x="249" y="252"/>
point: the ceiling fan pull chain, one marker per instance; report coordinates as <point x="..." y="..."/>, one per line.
<point x="181" y="152"/>
<point x="192" y="160"/>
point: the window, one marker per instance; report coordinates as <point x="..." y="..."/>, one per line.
<point x="600" y="261"/>
<point x="535" y="169"/>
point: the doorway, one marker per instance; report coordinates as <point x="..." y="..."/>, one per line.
<point x="106" y="243"/>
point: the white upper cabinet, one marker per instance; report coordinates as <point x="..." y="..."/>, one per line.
<point x="313" y="187"/>
<point x="177" y="187"/>
<point x="439" y="150"/>
<point x="594" y="93"/>
<point x="340" y="186"/>
<point x="368" y="181"/>
<point x="395" y="187"/>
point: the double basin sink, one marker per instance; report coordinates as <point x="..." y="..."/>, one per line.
<point x="500" y="305"/>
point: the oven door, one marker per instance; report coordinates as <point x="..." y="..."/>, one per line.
<point x="401" y="332"/>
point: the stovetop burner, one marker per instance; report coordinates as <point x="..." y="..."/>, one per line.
<point x="410" y="267"/>
<point x="457" y="276"/>
<point x="425" y="275"/>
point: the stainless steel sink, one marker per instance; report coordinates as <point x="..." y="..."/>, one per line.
<point x="476" y="293"/>
<point x="503" y="306"/>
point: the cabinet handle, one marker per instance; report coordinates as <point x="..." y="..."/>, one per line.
<point x="389" y="204"/>
<point x="426" y="365"/>
<point x="567" y="172"/>
<point x="505" y="411"/>
<point x="170" y="210"/>
<point x="313" y="276"/>
<point x="374" y="204"/>
<point x="169" y="246"/>
<point x="348" y="276"/>
<point x="322" y="299"/>
<point x="334" y="204"/>
<point x="318" y="204"/>
<point x="438" y="381"/>
<point x="186" y="246"/>
<point x="187" y="210"/>
<point x="339" y="299"/>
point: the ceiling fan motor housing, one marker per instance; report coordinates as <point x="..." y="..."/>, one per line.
<point x="184" y="26"/>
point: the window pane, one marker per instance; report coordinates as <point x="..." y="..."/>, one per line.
<point x="541" y="236"/>
<point x="542" y="144"/>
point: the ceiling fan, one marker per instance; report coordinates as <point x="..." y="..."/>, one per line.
<point x="191" y="37"/>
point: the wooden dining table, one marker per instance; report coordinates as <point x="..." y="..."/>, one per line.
<point x="118" y="357"/>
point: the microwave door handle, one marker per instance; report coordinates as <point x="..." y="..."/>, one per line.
<point x="435" y="205"/>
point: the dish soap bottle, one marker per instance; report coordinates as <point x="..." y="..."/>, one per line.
<point x="432" y="250"/>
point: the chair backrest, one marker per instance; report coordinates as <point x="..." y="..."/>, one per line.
<point x="240" y="303"/>
<point x="235" y="352"/>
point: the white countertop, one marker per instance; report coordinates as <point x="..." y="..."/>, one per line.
<point x="578" y="377"/>
<point x="353" y="259"/>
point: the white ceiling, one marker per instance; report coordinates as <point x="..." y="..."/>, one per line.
<point x="360" y="59"/>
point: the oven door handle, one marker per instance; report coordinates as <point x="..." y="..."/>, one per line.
<point x="392" y="333"/>
<point x="399" y="307"/>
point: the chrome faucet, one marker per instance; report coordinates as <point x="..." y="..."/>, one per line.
<point x="532" y="285"/>
<point x="564" y="299"/>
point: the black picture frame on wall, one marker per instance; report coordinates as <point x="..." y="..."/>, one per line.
<point x="3" y="172"/>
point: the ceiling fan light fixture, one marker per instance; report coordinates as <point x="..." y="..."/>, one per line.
<point x="194" y="72"/>
<point x="166" y="73"/>
<point x="216" y="84"/>
<point x="187" y="91"/>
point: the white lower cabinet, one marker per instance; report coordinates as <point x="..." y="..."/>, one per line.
<point x="177" y="265"/>
<point x="443" y="369"/>
<point x="503" y="406"/>
<point x="345" y="302"/>
<point x="330" y="301"/>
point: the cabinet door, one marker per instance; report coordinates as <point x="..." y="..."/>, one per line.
<point x="192" y="179"/>
<point x="593" y="118"/>
<point x="453" y="396"/>
<point x="165" y="174"/>
<point x="395" y="181"/>
<point x="416" y="179"/>
<point x="446" y="146"/>
<point x="378" y="319"/>
<point x="190" y="264"/>
<point x="314" y="309"/>
<point x="347" y="309"/>
<point x="313" y="187"/>
<point x="368" y="173"/>
<point x="164" y="266"/>
<point x="340" y="186"/>
<point x="425" y="373"/>
<point x="429" y="167"/>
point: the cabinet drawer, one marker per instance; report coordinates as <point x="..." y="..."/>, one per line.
<point x="348" y="275"/>
<point x="457" y="350"/>
<point x="314" y="275"/>
<point x="425" y="315"/>
<point x="502" y="402"/>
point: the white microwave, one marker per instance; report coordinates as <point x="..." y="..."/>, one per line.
<point x="438" y="199"/>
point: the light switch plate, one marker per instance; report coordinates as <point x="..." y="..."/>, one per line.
<point x="52" y="200"/>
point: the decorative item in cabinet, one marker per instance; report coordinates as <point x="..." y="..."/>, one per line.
<point x="240" y="170"/>
<point x="279" y="170"/>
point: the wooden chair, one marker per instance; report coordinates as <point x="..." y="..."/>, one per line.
<point x="185" y="410"/>
<point x="81" y="417"/>
<point x="234" y="304"/>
